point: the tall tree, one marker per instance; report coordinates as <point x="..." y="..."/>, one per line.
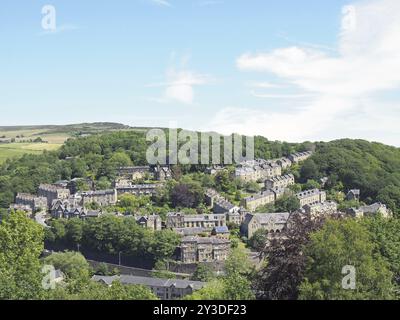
<point x="340" y="249"/>
<point x="21" y="243"/>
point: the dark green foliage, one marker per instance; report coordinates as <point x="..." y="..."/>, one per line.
<point x="112" y="234"/>
<point x="373" y="168"/>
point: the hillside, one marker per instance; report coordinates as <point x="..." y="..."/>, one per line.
<point x="372" y="167"/>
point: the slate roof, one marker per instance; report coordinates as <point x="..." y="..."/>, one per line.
<point x="150" y="282"/>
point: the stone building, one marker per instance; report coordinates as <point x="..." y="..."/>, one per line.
<point x="198" y="249"/>
<point x="179" y="220"/>
<point x="257" y="170"/>
<point x="279" y="192"/>
<point x="152" y="222"/>
<point x="164" y="289"/>
<point x="162" y="173"/>
<point x="134" y="173"/>
<point x="284" y="163"/>
<point x="34" y="202"/>
<point x="279" y="182"/>
<point x="218" y="203"/>
<point x="311" y="196"/>
<point x="236" y="217"/>
<point x="300" y="156"/>
<point x="101" y="197"/>
<point x="263" y="198"/>
<point x="52" y="192"/>
<point x="270" y="222"/>
<point x="371" y="210"/>
<point x="137" y="189"/>
<point x="321" y="208"/>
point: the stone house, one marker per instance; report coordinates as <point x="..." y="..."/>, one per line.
<point x="52" y="192"/>
<point x="279" y="182"/>
<point x="34" y="202"/>
<point x="263" y="198"/>
<point x="321" y="208"/>
<point x="164" y="289"/>
<point x="179" y="220"/>
<point x="300" y="156"/>
<point x="311" y="196"/>
<point x="198" y="249"/>
<point x="371" y="210"/>
<point x="101" y="197"/>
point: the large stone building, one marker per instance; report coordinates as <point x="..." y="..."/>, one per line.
<point x="270" y="222"/>
<point x="52" y="192"/>
<point x="279" y="182"/>
<point x="34" y="202"/>
<point x="101" y="197"/>
<point x="164" y="289"/>
<point x="257" y="170"/>
<point x="179" y="220"/>
<point x="311" y="196"/>
<point x="300" y="156"/>
<point x="198" y="249"/>
<point x="320" y="208"/>
<point x="263" y="198"/>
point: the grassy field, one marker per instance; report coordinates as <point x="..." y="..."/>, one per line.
<point x="55" y="136"/>
<point x="12" y="150"/>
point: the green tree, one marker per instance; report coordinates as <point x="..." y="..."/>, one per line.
<point x="339" y="244"/>
<point x="21" y="243"/>
<point x="258" y="240"/>
<point x="203" y="272"/>
<point x="287" y="203"/>
<point x="72" y="264"/>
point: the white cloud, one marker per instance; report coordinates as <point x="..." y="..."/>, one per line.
<point x="367" y="63"/>
<point x="179" y="85"/>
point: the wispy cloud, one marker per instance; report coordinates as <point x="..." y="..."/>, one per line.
<point x="163" y="3"/>
<point x="366" y="64"/>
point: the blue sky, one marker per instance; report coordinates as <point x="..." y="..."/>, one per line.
<point x="249" y="66"/>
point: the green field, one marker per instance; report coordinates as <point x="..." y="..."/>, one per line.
<point x="12" y="150"/>
<point x="55" y="136"/>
